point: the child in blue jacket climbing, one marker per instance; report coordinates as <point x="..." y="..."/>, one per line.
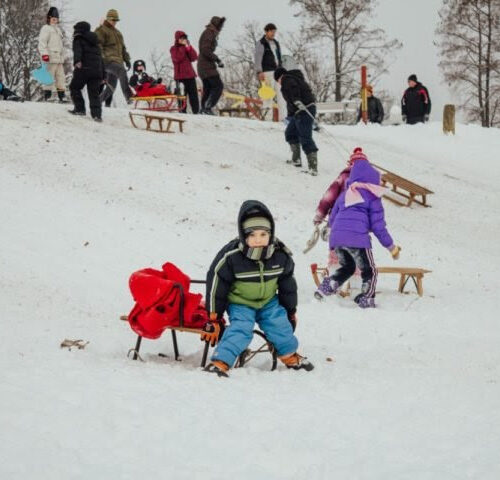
<point x="252" y="279"/>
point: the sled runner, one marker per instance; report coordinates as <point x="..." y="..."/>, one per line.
<point x="412" y="189"/>
<point x="405" y="274"/>
<point x="148" y="122"/>
<point x="160" y="103"/>
<point x="164" y="302"/>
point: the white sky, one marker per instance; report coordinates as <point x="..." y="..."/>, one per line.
<point x="151" y="23"/>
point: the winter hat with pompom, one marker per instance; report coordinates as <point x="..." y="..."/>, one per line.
<point x="357" y="154"/>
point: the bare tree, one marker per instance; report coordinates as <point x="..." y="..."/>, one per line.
<point x="239" y="74"/>
<point x="469" y="32"/>
<point x="345" y="25"/>
<point x="20" y="22"/>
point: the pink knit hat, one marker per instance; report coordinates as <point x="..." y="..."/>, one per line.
<point x="357" y="154"/>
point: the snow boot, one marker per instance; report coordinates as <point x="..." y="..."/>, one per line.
<point x="295" y="160"/>
<point x="97" y="119"/>
<point x="47" y="94"/>
<point x="217" y="367"/>
<point x="297" y="362"/>
<point x="62" y="96"/>
<point x="364" y="302"/>
<point x="77" y="112"/>
<point x="312" y="163"/>
<point x="326" y="288"/>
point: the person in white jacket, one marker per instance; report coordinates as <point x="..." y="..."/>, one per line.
<point x="51" y="49"/>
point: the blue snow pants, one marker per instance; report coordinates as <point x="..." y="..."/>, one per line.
<point x="300" y="128"/>
<point x="271" y="318"/>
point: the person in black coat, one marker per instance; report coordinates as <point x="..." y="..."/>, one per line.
<point x="88" y="70"/>
<point x="416" y="102"/>
<point x="375" y="108"/>
<point x="301" y="109"/>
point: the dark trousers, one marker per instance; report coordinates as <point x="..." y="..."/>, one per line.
<point x="349" y="259"/>
<point x="191" y="91"/>
<point x="82" y="77"/>
<point x="212" y="90"/>
<point x="415" y="120"/>
<point x="115" y="72"/>
<point x="300" y="128"/>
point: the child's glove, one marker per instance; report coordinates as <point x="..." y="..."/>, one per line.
<point x="78" y="65"/>
<point x="45" y="58"/>
<point x="128" y="65"/>
<point x="394" y="249"/>
<point x="211" y="331"/>
<point x="220" y="64"/>
<point x="293" y="320"/>
<point x="299" y="105"/>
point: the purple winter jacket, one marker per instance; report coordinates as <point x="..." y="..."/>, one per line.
<point x="351" y="226"/>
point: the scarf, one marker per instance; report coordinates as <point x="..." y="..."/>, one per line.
<point x="353" y="196"/>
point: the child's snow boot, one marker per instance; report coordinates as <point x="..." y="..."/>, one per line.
<point x="295" y="160"/>
<point x="297" y="362"/>
<point x="47" y="94"/>
<point x="326" y="288"/>
<point x="218" y="367"/>
<point x="62" y="96"/>
<point x="364" y="302"/>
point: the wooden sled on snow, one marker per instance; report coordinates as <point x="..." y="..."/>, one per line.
<point x="259" y="346"/>
<point x="405" y="274"/>
<point x="155" y="121"/>
<point x="160" y="103"/>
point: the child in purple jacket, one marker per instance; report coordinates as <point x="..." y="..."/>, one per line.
<point x="357" y="212"/>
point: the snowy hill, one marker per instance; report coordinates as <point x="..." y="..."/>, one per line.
<point x="414" y="388"/>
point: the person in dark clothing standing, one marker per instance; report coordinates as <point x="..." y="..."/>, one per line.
<point x="183" y="55"/>
<point x="416" y="102"/>
<point x="267" y="60"/>
<point x="88" y="70"/>
<point x="375" y="108"/>
<point x="301" y="111"/>
<point x="208" y="62"/>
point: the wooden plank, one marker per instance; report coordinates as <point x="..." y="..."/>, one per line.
<point x="407" y="270"/>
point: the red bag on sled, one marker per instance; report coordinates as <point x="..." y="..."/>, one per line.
<point x="157" y="301"/>
<point x="146" y="90"/>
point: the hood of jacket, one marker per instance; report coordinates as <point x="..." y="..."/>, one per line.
<point x="295" y="73"/>
<point x="179" y="34"/>
<point x="217" y="23"/>
<point x="82" y="29"/>
<point x="362" y="171"/>
<point x="253" y="208"/>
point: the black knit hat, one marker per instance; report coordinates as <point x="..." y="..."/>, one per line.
<point x="279" y="72"/>
<point x="412" y="78"/>
<point x="139" y="63"/>
<point x="53" y="13"/>
<point x="270" y="26"/>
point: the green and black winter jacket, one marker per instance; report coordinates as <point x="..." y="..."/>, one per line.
<point x="248" y="276"/>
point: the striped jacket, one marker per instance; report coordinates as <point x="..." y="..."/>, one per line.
<point x="235" y="278"/>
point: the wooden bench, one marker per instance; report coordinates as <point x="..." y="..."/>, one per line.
<point x="149" y="118"/>
<point x="343" y="108"/>
<point x="397" y="182"/>
<point x="161" y="103"/>
<point x="234" y="112"/>
<point x="405" y="273"/>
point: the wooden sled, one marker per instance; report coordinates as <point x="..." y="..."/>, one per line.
<point x="405" y="274"/>
<point x="160" y="103"/>
<point x="244" y="358"/>
<point x="252" y="107"/>
<point x="411" y="191"/>
<point x="164" y="123"/>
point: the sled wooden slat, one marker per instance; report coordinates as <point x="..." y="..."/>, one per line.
<point x="165" y="103"/>
<point x="405" y="274"/>
<point x="411" y="191"/>
<point x="149" y="118"/>
<point x="234" y="112"/>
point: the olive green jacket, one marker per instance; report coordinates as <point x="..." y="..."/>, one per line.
<point x="112" y="45"/>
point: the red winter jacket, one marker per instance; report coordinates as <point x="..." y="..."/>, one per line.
<point x="157" y="301"/>
<point x="330" y="196"/>
<point x="182" y="57"/>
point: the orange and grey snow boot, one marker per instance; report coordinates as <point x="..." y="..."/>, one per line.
<point x="297" y="362"/>
<point x="218" y="367"/>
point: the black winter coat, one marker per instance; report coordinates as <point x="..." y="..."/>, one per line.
<point x="207" y="58"/>
<point x="375" y="110"/>
<point x="416" y="103"/>
<point x="86" y="51"/>
<point x="294" y="87"/>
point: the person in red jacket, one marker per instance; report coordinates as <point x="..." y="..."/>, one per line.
<point x="183" y="55"/>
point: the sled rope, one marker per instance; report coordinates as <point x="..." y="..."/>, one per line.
<point x="312" y="241"/>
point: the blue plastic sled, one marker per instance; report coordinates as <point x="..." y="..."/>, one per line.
<point x="42" y="75"/>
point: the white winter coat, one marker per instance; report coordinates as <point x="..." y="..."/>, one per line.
<point x="50" y="42"/>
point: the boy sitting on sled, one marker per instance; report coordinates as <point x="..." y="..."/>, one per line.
<point x="145" y="85"/>
<point x="252" y="278"/>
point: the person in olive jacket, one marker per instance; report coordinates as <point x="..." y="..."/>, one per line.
<point x="208" y="62"/>
<point x="114" y="54"/>
<point x="375" y="108"/>
<point x="89" y="71"/>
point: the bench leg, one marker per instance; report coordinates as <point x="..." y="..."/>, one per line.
<point x="174" y="341"/>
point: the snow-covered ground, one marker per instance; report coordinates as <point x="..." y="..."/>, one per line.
<point x="414" y="388"/>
